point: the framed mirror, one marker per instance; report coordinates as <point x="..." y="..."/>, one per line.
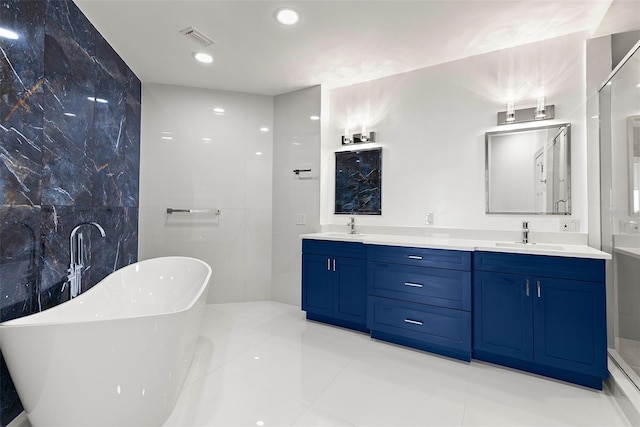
<point x="633" y="136"/>
<point x="359" y="182"/>
<point x="528" y="171"/>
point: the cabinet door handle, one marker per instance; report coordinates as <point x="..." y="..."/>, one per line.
<point x="413" y="322"/>
<point x="328" y="264"/>
<point x="334" y="264"/>
<point x="538" y="283"/>
<point x="413" y="285"/>
<point x="527" y="287"/>
<point x="414" y="257"/>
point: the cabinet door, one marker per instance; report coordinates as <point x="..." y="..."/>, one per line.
<point x="570" y="324"/>
<point x="351" y="290"/>
<point x="503" y="315"/>
<point x="317" y="284"/>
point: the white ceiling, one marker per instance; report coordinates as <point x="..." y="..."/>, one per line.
<point x="337" y="42"/>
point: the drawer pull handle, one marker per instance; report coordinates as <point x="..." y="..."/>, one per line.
<point x="413" y="285"/>
<point x="414" y="257"/>
<point x="538" y="283"/>
<point x="413" y="322"/>
<point x="328" y="264"/>
<point x="527" y="287"/>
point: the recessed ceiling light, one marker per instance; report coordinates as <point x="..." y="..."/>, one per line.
<point x="264" y="129"/>
<point x="315" y="117"/>
<point x="8" y="34"/>
<point x="218" y="110"/>
<point x="203" y="57"/>
<point x="166" y="137"/>
<point x="258" y="153"/>
<point x="206" y="139"/>
<point x="286" y="16"/>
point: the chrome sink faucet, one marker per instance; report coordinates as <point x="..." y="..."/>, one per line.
<point x="352" y="225"/>
<point x="525" y="231"/>
<point x="76" y="248"/>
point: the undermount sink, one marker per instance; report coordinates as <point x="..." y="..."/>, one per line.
<point x="345" y="235"/>
<point x="531" y="246"/>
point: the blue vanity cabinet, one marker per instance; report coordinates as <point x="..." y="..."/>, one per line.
<point x="543" y="314"/>
<point x="421" y="298"/>
<point x="334" y="282"/>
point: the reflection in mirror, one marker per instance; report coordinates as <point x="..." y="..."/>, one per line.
<point x="528" y="171"/>
<point x="633" y="136"/>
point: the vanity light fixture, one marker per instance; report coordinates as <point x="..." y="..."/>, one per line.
<point x="539" y="112"/>
<point x="540" y="109"/>
<point x="203" y="57"/>
<point x="346" y="138"/>
<point x="286" y="16"/>
<point x="511" y="112"/>
<point x="357" y="138"/>
<point x="364" y="137"/>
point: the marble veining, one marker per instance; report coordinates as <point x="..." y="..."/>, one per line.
<point x="21" y="102"/>
<point x="358" y="182"/>
<point x="69" y="153"/>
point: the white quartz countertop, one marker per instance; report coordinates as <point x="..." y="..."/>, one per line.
<point x="632" y="252"/>
<point x="573" y="251"/>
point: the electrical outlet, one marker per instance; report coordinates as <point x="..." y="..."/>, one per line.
<point x="571" y="225"/>
<point x="428" y="218"/>
<point x="301" y="219"/>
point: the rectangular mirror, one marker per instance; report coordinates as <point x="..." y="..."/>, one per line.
<point x="633" y="136"/>
<point x="358" y="182"/>
<point x="528" y="171"/>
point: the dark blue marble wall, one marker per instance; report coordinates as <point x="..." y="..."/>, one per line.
<point x="69" y="153"/>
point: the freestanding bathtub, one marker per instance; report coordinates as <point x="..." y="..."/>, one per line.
<point x="116" y="355"/>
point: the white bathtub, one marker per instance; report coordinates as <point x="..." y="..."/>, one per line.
<point x="116" y="355"/>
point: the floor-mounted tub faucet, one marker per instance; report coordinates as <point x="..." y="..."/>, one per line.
<point x="76" y="247"/>
<point x="525" y="231"/>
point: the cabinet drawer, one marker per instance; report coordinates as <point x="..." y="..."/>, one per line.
<point x="435" y="286"/>
<point x="591" y="270"/>
<point x="441" y="326"/>
<point x="333" y="248"/>
<point x="424" y="257"/>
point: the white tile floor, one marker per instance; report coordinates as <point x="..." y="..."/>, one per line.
<point x="263" y="364"/>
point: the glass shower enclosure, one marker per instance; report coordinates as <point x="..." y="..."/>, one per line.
<point x="619" y="100"/>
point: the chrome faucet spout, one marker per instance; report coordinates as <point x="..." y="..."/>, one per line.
<point x="352" y="225"/>
<point x="525" y="231"/>
<point x="77" y="257"/>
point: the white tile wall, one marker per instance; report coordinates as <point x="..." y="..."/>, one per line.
<point x="431" y="124"/>
<point x="222" y="172"/>
<point x="296" y="146"/>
